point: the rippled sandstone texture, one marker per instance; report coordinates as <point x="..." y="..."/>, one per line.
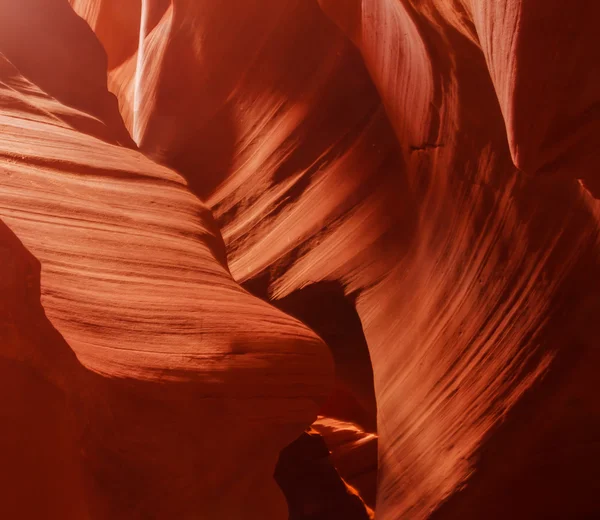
<point x="432" y="165"/>
<point x="147" y="384"/>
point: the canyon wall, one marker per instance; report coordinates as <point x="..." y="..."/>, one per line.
<point x="139" y="379"/>
<point x="417" y="181"/>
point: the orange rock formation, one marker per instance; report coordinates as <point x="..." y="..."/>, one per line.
<point x="415" y="180"/>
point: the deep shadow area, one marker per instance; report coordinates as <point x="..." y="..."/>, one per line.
<point x="208" y="148"/>
<point x="37" y="450"/>
<point x="325" y="308"/>
<point x="312" y="486"/>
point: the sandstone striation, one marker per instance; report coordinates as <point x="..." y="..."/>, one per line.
<point x="151" y="372"/>
<point x="417" y="181"/>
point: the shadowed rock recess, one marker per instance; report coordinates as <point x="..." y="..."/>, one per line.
<point x="305" y="259"/>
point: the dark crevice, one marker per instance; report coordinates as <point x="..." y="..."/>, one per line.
<point x="326" y="309"/>
<point x="426" y="146"/>
<point x="308" y="478"/>
<point x="312" y="486"/>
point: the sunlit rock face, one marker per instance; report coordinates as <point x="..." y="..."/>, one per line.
<point x="139" y="380"/>
<point x="427" y="168"/>
<point x="353" y="452"/>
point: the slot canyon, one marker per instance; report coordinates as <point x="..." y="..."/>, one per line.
<point x="299" y="259"/>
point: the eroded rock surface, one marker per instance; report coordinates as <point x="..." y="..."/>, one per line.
<point x="434" y="161"/>
<point x="148" y="373"/>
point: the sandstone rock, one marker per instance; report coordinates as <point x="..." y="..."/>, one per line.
<point x="162" y="371"/>
<point x="436" y="161"/>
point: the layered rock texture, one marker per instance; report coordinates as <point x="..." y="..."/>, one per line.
<point x="206" y="207"/>
<point x="149" y="375"/>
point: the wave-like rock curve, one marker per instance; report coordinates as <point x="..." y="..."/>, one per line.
<point x="437" y="161"/>
<point x="163" y="372"/>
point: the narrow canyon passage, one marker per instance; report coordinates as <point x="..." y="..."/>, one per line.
<point x="318" y="259"/>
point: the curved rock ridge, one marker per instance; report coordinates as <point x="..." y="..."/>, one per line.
<point x="201" y="129"/>
<point x="380" y="153"/>
<point x="525" y="43"/>
<point x="353" y="452"/>
<point x="436" y="160"/>
<point x="165" y="374"/>
<point x="539" y="55"/>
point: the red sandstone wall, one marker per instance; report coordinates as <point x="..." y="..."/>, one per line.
<point x="436" y="160"/>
